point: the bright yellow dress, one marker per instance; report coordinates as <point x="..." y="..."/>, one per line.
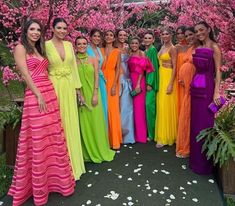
<point x="166" y="126"/>
<point x="65" y="78"/>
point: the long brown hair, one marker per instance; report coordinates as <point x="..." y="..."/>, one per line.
<point x="39" y="45"/>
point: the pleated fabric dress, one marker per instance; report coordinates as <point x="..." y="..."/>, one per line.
<point x="152" y="79"/>
<point x="202" y="91"/>
<point x="42" y="160"/>
<point x="114" y="117"/>
<point x="65" y="79"/>
<point x="166" y="126"/>
<point x="102" y="81"/>
<point x="139" y="66"/>
<point x="126" y="104"/>
<point x="95" y="142"/>
<point x="186" y="73"/>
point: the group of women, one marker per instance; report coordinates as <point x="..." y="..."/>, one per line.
<point x="79" y="106"/>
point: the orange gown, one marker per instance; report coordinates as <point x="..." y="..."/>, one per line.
<point x="186" y="73"/>
<point x="114" y="118"/>
<point x="180" y="61"/>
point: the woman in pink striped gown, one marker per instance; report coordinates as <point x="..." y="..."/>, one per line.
<point x="42" y="162"/>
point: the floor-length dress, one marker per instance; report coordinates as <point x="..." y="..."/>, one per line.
<point x="102" y="81"/>
<point x="152" y="79"/>
<point x="126" y="104"/>
<point x="95" y="142"/>
<point x="65" y="78"/>
<point x="166" y="126"/>
<point x="114" y="117"/>
<point x="202" y="90"/>
<point x="186" y="73"/>
<point x="137" y="66"/>
<point x="42" y="161"/>
<point x="179" y="89"/>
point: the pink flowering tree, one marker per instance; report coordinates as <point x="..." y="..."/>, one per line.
<point x="220" y="15"/>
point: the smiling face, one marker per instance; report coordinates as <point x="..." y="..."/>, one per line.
<point x="60" y="30"/>
<point x="148" y="39"/>
<point x="81" y="45"/>
<point x="180" y="35"/>
<point x="134" y="45"/>
<point x="109" y="37"/>
<point x="34" y="33"/>
<point x="202" y="32"/>
<point x="122" y="36"/>
<point x="96" y="38"/>
<point x="190" y="37"/>
<point x="165" y="36"/>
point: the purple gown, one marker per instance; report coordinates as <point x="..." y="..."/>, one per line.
<point x="202" y="90"/>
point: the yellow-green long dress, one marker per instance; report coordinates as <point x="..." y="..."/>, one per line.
<point x="166" y="126"/>
<point x="65" y="79"/>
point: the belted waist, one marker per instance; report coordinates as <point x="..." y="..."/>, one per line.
<point x="60" y="72"/>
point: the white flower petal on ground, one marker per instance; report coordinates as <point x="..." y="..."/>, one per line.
<point x="98" y="205"/>
<point x="162" y="164"/>
<point x="108" y="196"/>
<point x="120" y="176"/>
<point x="165" y="150"/>
<point x="172" y="197"/>
<point x="183" y="198"/>
<point x="137" y="153"/>
<point x="109" y="170"/>
<point x="185" y="193"/>
<point x="140" y="165"/>
<point x="129" y="198"/>
<point x="154" y="191"/>
<point x="89" y="185"/>
<point x="150" y="195"/>
<point x="88" y="202"/>
<point x="211" y="181"/>
<point x="127" y="164"/>
<point x="184" y="167"/>
<point x="1" y="203"/>
<point x="168" y="200"/>
<point x="125" y="145"/>
<point x="118" y="151"/>
<point x="138" y="185"/>
<point x="148" y="188"/>
<point x="124" y="203"/>
<point x="189" y="183"/>
<point x="130" y="147"/>
<point x="194" y="181"/>
<point x="195" y="200"/>
<point x="162" y="192"/>
<point x="139" y="174"/>
<point x="90" y="171"/>
<point x="129" y="179"/>
<point x="137" y="170"/>
<point x="181" y="188"/>
<point x="96" y="173"/>
<point x="130" y="203"/>
<point x="166" y="188"/>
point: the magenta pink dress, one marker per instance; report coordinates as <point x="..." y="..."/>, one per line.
<point x="139" y="65"/>
<point x="42" y="161"/>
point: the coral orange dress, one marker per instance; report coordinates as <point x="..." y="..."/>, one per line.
<point x="186" y="73"/>
<point x="114" y="118"/>
<point x="180" y="62"/>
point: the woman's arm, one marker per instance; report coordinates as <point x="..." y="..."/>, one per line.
<point x="20" y="59"/>
<point x="137" y="87"/>
<point x="218" y="63"/>
<point x="96" y="82"/>
<point x="117" y="71"/>
<point x="173" y="54"/>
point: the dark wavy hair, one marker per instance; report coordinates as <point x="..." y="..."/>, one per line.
<point x="182" y="28"/>
<point x="189" y="28"/>
<point x="39" y="45"/>
<point x="93" y="31"/>
<point x="150" y="33"/>
<point x="58" y="20"/>
<point x="211" y="34"/>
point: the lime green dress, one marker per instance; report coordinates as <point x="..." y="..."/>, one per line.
<point x="65" y="79"/>
<point x="94" y="132"/>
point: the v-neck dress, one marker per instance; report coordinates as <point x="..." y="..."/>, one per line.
<point x="65" y="78"/>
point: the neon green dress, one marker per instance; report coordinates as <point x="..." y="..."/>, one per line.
<point x="94" y="132"/>
<point x="65" y="78"/>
